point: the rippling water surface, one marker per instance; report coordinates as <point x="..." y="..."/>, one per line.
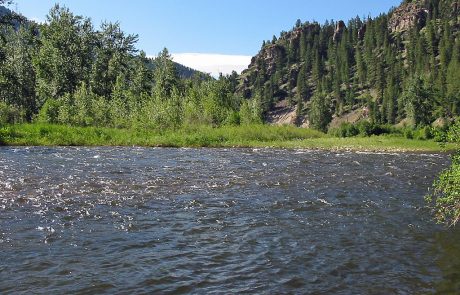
<point x="136" y="221"/>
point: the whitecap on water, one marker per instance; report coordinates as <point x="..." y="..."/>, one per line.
<point x="46" y="229"/>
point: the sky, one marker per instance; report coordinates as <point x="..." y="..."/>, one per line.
<point x="209" y="35"/>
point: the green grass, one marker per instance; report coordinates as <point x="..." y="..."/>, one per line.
<point x="202" y="136"/>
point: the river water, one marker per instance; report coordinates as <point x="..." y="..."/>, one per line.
<point x="218" y="221"/>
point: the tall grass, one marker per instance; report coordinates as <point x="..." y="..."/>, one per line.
<point x="204" y="136"/>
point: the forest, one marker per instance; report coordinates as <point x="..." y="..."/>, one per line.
<point x="402" y="67"/>
<point x="67" y="72"/>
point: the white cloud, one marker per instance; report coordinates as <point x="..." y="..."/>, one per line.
<point x="37" y="20"/>
<point x="213" y="63"/>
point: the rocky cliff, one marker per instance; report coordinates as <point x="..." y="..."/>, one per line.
<point x="408" y="15"/>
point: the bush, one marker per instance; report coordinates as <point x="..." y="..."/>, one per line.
<point x="233" y="119"/>
<point x="362" y="128"/>
<point x="439" y="134"/>
<point x="49" y="113"/>
<point x="11" y="114"/>
<point x="445" y="199"/>
<point x="423" y="133"/>
<point x="345" y="130"/>
<point x="409" y="134"/>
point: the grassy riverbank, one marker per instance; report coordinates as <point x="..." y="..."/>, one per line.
<point x="241" y="136"/>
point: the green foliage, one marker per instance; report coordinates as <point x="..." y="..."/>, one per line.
<point x="17" y="81"/>
<point x="251" y="112"/>
<point x="365" y="129"/>
<point x="10" y="114"/>
<point x="345" y="130"/>
<point x="49" y="113"/>
<point x="320" y="115"/>
<point x="63" y="58"/>
<point x="445" y="198"/>
<point x="166" y="78"/>
<point x="418" y="102"/>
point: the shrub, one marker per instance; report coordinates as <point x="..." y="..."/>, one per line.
<point x="423" y="133"/>
<point x="363" y="128"/>
<point x="445" y="199"/>
<point x="11" y="114"/>
<point x="345" y="130"/>
<point x="49" y="113"/>
<point x="409" y="134"/>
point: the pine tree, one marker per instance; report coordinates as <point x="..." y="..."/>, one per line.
<point x="302" y="90"/>
<point x="320" y="115"/>
<point x="166" y="77"/>
<point x="418" y="106"/>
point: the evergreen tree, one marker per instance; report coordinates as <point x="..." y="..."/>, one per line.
<point x="418" y="106"/>
<point x="166" y="77"/>
<point x="320" y="115"/>
<point x="302" y="90"/>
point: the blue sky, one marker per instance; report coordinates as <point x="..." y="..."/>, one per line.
<point x="223" y="27"/>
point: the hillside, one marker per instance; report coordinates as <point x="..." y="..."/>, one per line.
<point x="361" y="69"/>
<point x="183" y="71"/>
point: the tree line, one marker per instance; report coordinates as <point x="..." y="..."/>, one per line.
<point x="66" y="72"/>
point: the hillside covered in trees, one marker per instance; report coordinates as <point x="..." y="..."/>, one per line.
<point x="400" y="67"/>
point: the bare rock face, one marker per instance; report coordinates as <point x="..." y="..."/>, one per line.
<point x="294" y="35"/>
<point x="340" y="26"/>
<point x="272" y="53"/>
<point x="271" y="56"/>
<point x="268" y="56"/>
<point x="406" y="16"/>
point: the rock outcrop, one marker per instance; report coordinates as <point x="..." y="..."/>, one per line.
<point x="340" y="26"/>
<point x="406" y="16"/>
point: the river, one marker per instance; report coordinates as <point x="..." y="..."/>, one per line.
<point x="219" y="221"/>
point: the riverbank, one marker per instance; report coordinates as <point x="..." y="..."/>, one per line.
<point x="229" y="136"/>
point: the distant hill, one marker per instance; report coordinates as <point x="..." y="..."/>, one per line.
<point x="11" y="17"/>
<point x="186" y="72"/>
<point x="183" y="71"/>
<point x="361" y="69"/>
<point x="4" y="11"/>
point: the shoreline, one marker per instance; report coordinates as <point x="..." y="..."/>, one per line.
<point x="259" y="136"/>
<point x="302" y="149"/>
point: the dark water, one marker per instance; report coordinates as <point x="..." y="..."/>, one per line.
<point x="141" y="221"/>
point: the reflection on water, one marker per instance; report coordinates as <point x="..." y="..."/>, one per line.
<point x="132" y="220"/>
